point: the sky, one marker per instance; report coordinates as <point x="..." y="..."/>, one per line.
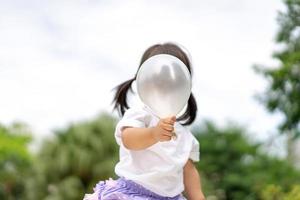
<point x="59" y="60"/>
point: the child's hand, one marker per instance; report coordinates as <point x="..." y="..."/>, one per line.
<point x="164" y="129"/>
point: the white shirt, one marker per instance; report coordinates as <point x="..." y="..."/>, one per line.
<point x="158" y="168"/>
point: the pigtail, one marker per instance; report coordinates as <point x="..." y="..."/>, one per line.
<point x="120" y="98"/>
<point x="190" y="114"/>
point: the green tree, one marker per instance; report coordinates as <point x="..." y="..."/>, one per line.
<point x="275" y="192"/>
<point x="70" y="164"/>
<point x="283" y="92"/>
<point x="234" y="167"/>
<point x="15" y="160"/>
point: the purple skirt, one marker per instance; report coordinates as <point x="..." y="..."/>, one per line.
<point x="124" y="189"/>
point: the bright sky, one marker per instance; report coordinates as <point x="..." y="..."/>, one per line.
<point x="59" y="60"/>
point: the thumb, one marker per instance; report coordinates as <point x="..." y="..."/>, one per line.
<point x="173" y="118"/>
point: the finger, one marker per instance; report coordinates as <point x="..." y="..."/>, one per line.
<point x="170" y="120"/>
<point x="162" y="125"/>
<point x="166" y="138"/>
<point x="168" y="127"/>
<point x="169" y="134"/>
<point x="173" y="118"/>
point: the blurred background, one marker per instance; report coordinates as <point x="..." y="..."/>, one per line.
<point x="60" y="60"/>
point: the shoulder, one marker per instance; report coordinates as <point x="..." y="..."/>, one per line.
<point x="134" y="112"/>
<point x="137" y="114"/>
<point x="187" y="133"/>
<point x="133" y="117"/>
<point x="184" y="129"/>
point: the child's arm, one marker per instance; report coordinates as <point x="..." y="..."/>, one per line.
<point x="141" y="138"/>
<point x="192" y="182"/>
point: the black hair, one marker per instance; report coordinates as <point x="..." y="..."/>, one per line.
<point x="120" y="97"/>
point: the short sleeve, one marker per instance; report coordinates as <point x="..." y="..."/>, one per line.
<point x="195" y="151"/>
<point x="131" y="118"/>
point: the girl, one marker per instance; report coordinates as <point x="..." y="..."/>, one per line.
<point x="152" y="164"/>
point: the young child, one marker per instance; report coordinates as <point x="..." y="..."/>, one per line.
<point x="153" y="164"/>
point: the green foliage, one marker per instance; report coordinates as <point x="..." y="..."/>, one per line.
<point x="71" y="163"/>
<point x="294" y="193"/>
<point x="15" y="160"/>
<point x="283" y="92"/>
<point x="275" y="192"/>
<point x="272" y="192"/>
<point x="233" y="167"/>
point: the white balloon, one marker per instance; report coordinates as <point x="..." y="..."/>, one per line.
<point x="164" y="84"/>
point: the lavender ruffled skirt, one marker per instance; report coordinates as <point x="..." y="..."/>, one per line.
<point x="124" y="189"/>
